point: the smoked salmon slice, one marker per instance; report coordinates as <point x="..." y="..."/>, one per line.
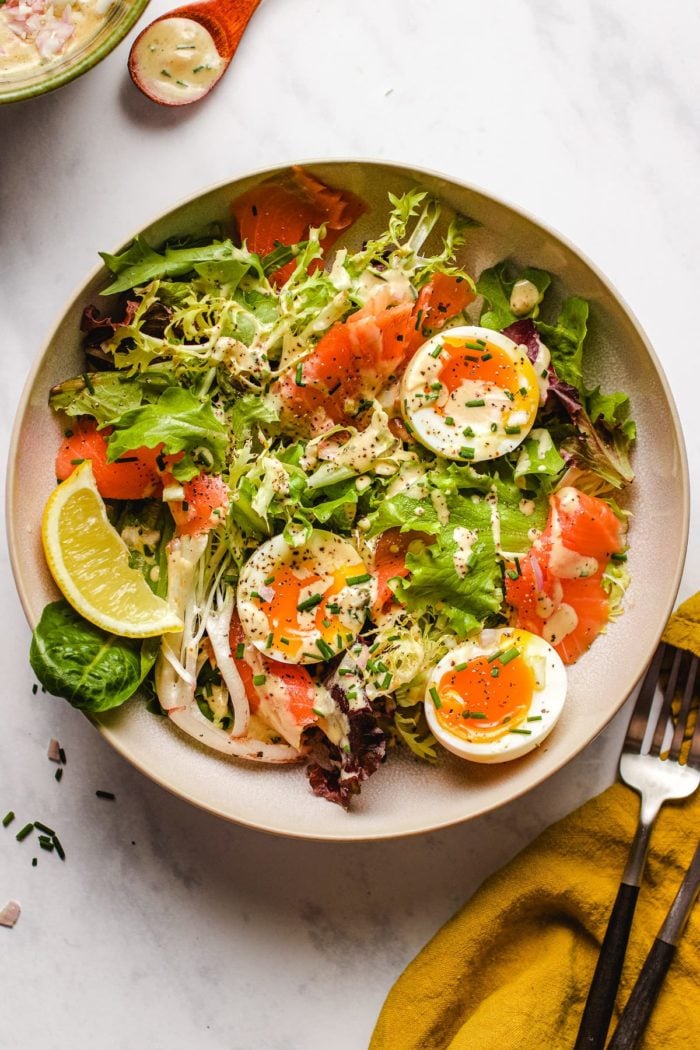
<point x="134" y="475"/>
<point x="293" y="702"/>
<point x="556" y="589"/>
<point x="282" y="210"/>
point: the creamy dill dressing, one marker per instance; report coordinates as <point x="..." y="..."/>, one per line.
<point x="176" y="60"/>
<point x="34" y="34"/>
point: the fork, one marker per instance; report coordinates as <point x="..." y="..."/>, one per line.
<point x="657" y="780"/>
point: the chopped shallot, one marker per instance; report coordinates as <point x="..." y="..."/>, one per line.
<point x="10" y="914"/>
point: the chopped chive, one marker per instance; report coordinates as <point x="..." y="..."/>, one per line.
<point x="35" y="689"/>
<point x="517" y="566"/>
<point x="449" y="421"/>
<point x="510" y="654"/>
<point x="619" y="557"/>
<point x="512" y="430"/>
<point x="474" y="346"/>
<point x="106" y="794"/>
<point x="353" y="580"/>
<point x="240" y="649"/>
<point x="269" y="580"/>
<point x="523" y="391"/>
<point x="509" y="395"/>
<point x="544" y="373"/>
<point x="534" y="718"/>
<point x="43" y="839"/>
<point x="165" y="73"/>
<point x="435" y="697"/>
<point x="486" y="357"/>
<point x="462" y="667"/>
<point x="21" y="835"/>
<point x="34" y="862"/>
<point x="88" y="383"/>
<point x="318" y="713"/>
<point x="386" y="681"/>
<point x="8" y="818"/>
<point x="259" y="679"/>
<point x="512" y="574"/>
<point x="470" y="357"/>
<point x="62" y="756"/>
<point x="310" y="603"/>
<point x="198" y="69"/>
<point x="436" y="352"/>
<point x="59" y="848"/>
<point x="47" y="844"/>
<point x="268" y="643"/>
<point x="473" y="714"/>
<point x="284" y="641"/>
<point x="339" y="641"/>
<point x="468" y="432"/>
<point x="495" y="672"/>
<point x="471" y="560"/>
<point x="324" y="648"/>
<point x="326" y="623"/>
<point x="77" y="462"/>
<point x="298" y="376"/>
<point x="494" y="656"/>
<point x="42" y="827"/>
<point x="333" y="608"/>
<point x="522" y="732"/>
<point x="345" y="671"/>
<point x="494" y="428"/>
<point x="476" y="402"/>
<point x="254" y="594"/>
<point x="466" y="452"/>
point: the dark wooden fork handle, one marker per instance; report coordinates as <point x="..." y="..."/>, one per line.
<point x="601" y="995"/>
<point x="644" y="994"/>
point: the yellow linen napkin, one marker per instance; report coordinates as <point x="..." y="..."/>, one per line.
<point x="511" y="970"/>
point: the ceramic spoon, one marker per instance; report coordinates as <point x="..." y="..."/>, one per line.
<point x="182" y="55"/>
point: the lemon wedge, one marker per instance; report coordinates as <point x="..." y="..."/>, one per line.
<point x="89" y="561"/>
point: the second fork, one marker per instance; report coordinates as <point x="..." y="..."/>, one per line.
<point x="657" y="780"/>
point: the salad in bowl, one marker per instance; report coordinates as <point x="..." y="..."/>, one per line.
<point x="317" y="505"/>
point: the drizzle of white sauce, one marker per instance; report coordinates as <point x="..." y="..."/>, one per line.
<point x="561" y="623"/>
<point x="524" y="297"/>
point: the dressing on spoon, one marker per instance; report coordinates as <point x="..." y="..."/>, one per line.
<point x="181" y="56"/>
<point x="177" y="60"/>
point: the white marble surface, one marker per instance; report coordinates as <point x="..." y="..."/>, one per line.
<point x="166" y="928"/>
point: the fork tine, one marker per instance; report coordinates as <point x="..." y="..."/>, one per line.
<point x="681" y="724"/>
<point x="665" y="713"/>
<point x="640" y="716"/>
<point x="694" y="753"/>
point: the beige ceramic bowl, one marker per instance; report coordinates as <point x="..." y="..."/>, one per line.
<point x="405" y="796"/>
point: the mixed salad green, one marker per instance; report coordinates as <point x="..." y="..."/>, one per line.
<point x="213" y="362"/>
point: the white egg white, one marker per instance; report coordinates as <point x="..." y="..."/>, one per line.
<point x="439" y="418"/>
<point x="317" y="565"/>
<point x="546" y="706"/>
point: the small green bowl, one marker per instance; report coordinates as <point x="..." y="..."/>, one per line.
<point x="119" y="19"/>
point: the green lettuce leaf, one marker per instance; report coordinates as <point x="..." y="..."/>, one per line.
<point x="93" y="670"/>
<point x="182" y="423"/>
<point x="249" y="410"/>
<point x="565" y="340"/>
<point x="538" y="457"/>
<point x="496" y="286"/>
<point x="140" y="263"/>
<point x="107" y="395"/>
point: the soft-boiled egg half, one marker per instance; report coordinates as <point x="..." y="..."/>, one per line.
<point x="304" y="604"/>
<point x="496" y="697"/>
<point x="470" y="394"/>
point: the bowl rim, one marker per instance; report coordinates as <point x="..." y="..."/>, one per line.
<point x="74" y="70"/>
<point x="634" y="676"/>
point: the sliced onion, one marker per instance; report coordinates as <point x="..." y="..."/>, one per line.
<point x="193" y="722"/>
<point x="537" y="573"/>
<point x="218" y="625"/>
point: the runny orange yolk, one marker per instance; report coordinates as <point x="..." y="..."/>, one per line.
<point x="283" y="614"/>
<point x="479" y="705"/>
<point x="461" y="362"/>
